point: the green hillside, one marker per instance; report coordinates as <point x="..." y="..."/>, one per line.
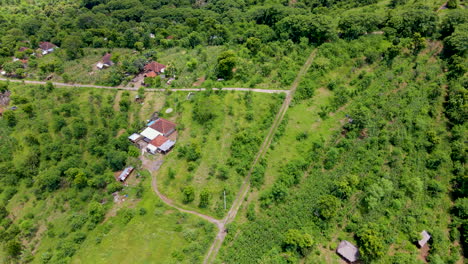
<point x="298" y="125"/>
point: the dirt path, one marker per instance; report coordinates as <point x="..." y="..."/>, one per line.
<point x="147" y="89"/>
<point x="153" y="166"/>
<point x="213" y="251"/>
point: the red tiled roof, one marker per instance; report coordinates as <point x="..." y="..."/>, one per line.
<point x="158" y="141"/>
<point x="151" y="74"/>
<point x="162" y="125"/>
<point x="107" y="59"/>
<point x="154" y="66"/>
<point x="170" y="37"/>
<point x="46" y="45"/>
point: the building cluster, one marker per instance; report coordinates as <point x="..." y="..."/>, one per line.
<point x="155" y="137"/>
<point x="350" y="253"/>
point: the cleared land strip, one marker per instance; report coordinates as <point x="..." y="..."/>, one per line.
<point x="147" y="89"/>
<point x="213" y="251"/>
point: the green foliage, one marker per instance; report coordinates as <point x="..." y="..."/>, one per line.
<point x="328" y="206"/>
<point x="95" y="212"/>
<point x="73" y="47"/>
<point x="226" y="63"/>
<point x="13" y="249"/>
<point x="370" y="243"/>
<point x="296" y="241"/>
<point x="204" y="198"/>
<point x="188" y="194"/>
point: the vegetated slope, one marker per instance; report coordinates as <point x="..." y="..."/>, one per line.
<point x="59" y="151"/>
<point x="378" y="181"/>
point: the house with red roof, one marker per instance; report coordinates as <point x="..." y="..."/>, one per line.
<point x="105" y="61"/>
<point x="47" y="47"/>
<point x="155" y="67"/>
<point x="160" y="144"/>
<point x="163" y="126"/>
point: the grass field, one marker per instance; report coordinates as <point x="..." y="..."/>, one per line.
<point x="161" y="234"/>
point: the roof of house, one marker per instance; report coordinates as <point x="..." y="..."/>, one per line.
<point x="163" y="126"/>
<point x="154" y="66"/>
<point x="125" y="173"/>
<point x="425" y="237"/>
<point x="134" y="136"/>
<point x="46" y="45"/>
<point x="151" y="74"/>
<point x="150" y="133"/>
<point x="23" y="49"/>
<point x="167" y="145"/>
<point x="159" y="140"/>
<point x="106" y="59"/>
<point x="348" y="251"/>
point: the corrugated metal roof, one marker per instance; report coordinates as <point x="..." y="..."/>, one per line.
<point x="150" y="133"/>
<point x="348" y="251"/>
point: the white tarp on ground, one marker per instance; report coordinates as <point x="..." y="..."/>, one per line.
<point x="150" y="133"/>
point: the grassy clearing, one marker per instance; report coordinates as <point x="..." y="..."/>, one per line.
<point x="236" y="114"/>
<point x="161" y="234"/>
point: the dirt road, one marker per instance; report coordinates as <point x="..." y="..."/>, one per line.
<point x="57" y="84"/>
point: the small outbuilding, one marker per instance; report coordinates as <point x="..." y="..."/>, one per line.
<point x="425" y="238"/>
<point x="348" y="251"/>
<point x="125" y="173"/>
<point x="135" y="137"/>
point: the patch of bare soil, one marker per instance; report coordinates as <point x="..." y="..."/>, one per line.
<point x="423" y="253"/>
<point x="199" y="81"/>
<point x="5" y="98"/>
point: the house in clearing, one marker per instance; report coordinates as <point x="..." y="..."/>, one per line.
<point x="348" y="251"/>
<point x="47" y="47"/>
<point x="125" y="173"/>
<point x="425" y="238"/>
<point x="160" y="144"/>
<point x="105" y="62"/>
<point x="163" y="126"/>
<point x="154" y="69"/>
<point x="156" y="135"/>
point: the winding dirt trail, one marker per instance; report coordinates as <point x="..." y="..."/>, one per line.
<point x="270" y="91"/>
<point x="153" y="166"/>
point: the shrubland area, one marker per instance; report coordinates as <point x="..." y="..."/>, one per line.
<point x="372" y="149"/>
